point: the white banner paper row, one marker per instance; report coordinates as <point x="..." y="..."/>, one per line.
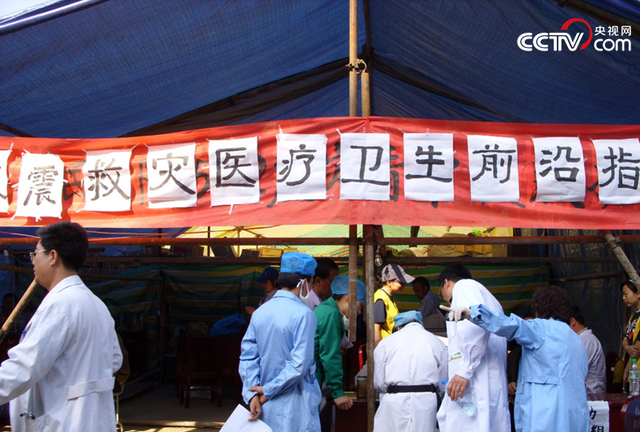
<point x="365" y="165"/>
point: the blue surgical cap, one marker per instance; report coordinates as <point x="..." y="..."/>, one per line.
<point x="340" y="285"/>
<point x="297" y="262"/>
<point x="362" y="291"/>
<point x="405" y="318"/>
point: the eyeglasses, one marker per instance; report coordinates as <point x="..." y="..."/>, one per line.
<point x="33" y="254"/>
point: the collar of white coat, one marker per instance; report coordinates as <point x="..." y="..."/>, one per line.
<point x="66" y="283"/>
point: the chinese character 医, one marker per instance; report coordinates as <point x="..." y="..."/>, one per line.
<point x="231" y="162"/>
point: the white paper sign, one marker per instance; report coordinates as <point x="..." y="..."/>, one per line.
<point x="234" y="171"/>
<point x="560" y="170"/>
<point x="493" y="168"/>
<point x="302" y="167"/>
<point x="107" y="181"/>
<point x="4" y="180"/>
<point x="364" y="167"/>
<point x="40" y="186"/>
<point x="598" y="416"/>
<point x="172" y="176"/>
<point x="428" y="167"/>
<point x="618" y="170"/>
<point x="238" y="422"/>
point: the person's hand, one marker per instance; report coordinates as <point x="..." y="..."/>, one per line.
<point x="255" y="408"/>
<point x="258" y="389"/>
<point x="456" y="387"/>
<point x="343" y="403"/>
<point x="457" y="313"/>
<point x="634" y="351"/>
<point x="513" y="387"/>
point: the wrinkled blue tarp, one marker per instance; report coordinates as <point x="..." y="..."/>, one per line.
<point x="108" y="68"/>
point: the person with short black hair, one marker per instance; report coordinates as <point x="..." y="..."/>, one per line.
<point x="429" y="302"/>
<point x="478" y="360"/>
<point x="326" y="271"/>
<point x="276" y="359"/>
<point x="597" y="375"/>
<point x="60" y="376"/>
<point x="551" y="394"/>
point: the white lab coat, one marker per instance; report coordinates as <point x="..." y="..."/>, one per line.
<point x="411" y="356"/>
<point x="62" y="369"/>
<point x="480" y="357"/>
<point x="597" y="377"/>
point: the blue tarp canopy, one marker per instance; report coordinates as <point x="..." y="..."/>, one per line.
<point x="97" y="68"/>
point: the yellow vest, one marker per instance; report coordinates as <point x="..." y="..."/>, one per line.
<point x="390" y="307"/>
<point x="625" y="357"/>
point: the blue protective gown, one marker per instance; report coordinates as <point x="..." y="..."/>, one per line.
<point x="551" y="393"/>
<point x="277" y="353"/>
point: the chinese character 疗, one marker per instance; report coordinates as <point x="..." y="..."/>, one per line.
<point x="306" y="156"/>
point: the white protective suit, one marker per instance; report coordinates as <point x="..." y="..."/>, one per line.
<point x="410" y="356"/>
<point x="480" y="357"/>
<point x="62" y="369"/>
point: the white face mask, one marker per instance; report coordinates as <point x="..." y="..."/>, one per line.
<point x="345" y="323"/>
<point x="303" y="295"/>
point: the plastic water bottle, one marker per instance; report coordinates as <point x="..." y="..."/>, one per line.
<point x="634" y="378"/>
<point x="468" y="407"/>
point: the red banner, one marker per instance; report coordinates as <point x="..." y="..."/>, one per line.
<point x="526" y="213"/>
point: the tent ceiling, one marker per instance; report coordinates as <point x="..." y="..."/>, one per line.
<point x="112" y="68"/>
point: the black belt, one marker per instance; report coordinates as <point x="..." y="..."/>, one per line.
<point x="412" y="388"/>
<point x="426" y="388"/>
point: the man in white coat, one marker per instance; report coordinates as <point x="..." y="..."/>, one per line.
<point x="59" y="378"/>
<point x="597" y="376"/>
<point x="409" y="367"/>
<point x="477" y="361"/>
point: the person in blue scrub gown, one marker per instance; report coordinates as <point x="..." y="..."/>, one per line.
<point x="276" y="361"/>
<point x="551" y="393"/>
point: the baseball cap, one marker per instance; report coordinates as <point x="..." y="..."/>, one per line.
<point x="297" y="262"/>
<point x="395" y="272"/>
<point x="268" y="274"/>
<point x="405" y="318"/>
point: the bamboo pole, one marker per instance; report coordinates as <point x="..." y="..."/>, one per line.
<point x="370" y="281"/>
<point x="17" y="310"/>
<point x="353" y="275"/>
<point x="366" y="93"/>
<point x="353" y="58"/>
<point x="614" y="245"/>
